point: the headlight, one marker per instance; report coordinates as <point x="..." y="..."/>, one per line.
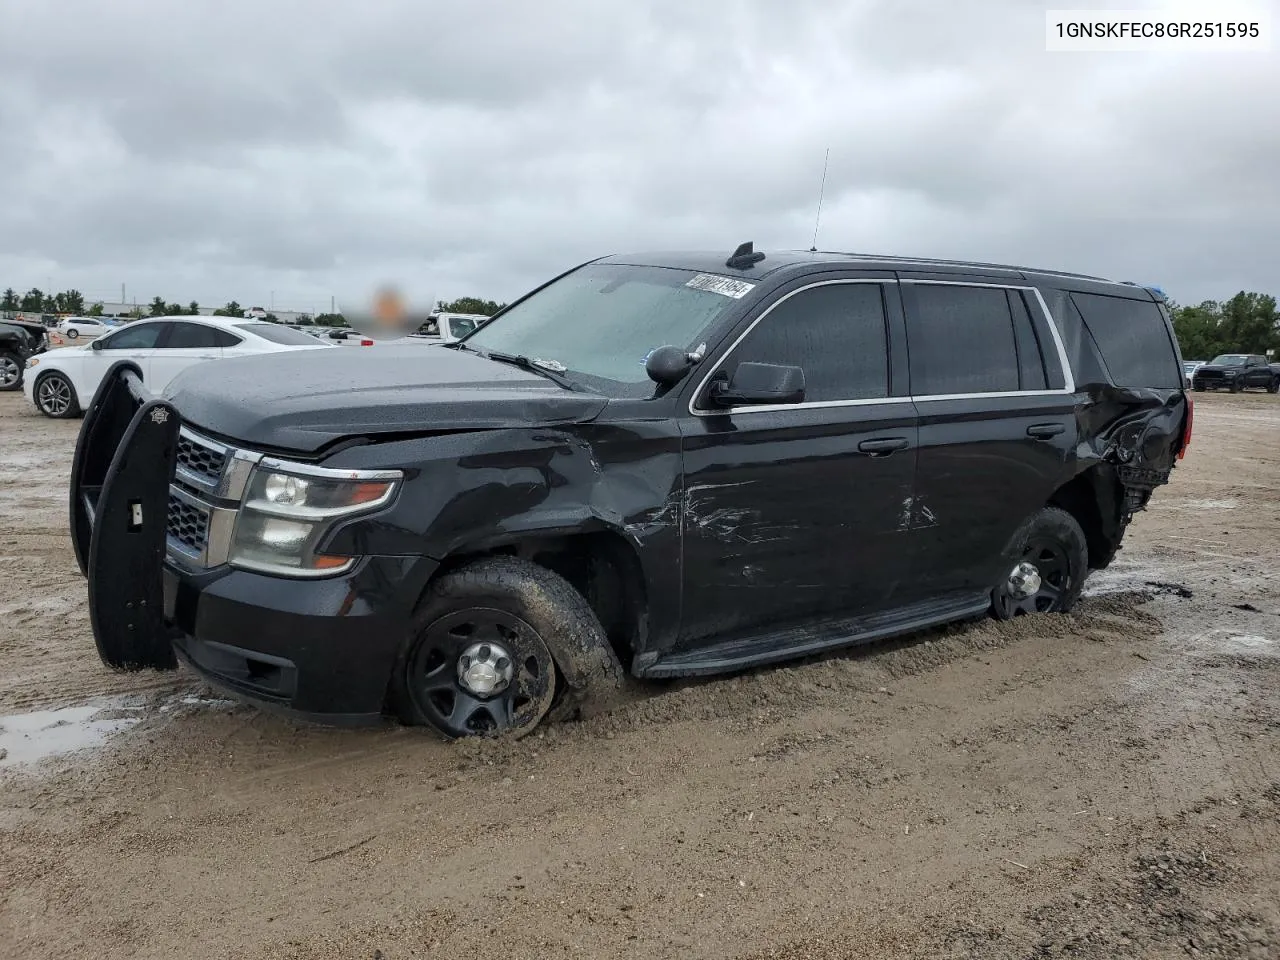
<point x="288" y="508"/>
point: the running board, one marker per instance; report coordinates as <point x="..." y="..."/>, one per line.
<point x="792" y="642"/>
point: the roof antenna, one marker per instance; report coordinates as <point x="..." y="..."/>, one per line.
<point x="821" y="190"/>
<point x="745" y="257"/>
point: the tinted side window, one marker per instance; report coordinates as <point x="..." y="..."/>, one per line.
<point x="835" y="333"/>
<point x="1030" y="349"/>
<point x="191" y="336"/>
<point x="225" y="338"/>
<point x="140" y="337"/>
<point x="961" y="340"/>
<point x="1132" y="337"/>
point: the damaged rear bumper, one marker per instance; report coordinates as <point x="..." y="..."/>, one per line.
<point x="323" y="649"/>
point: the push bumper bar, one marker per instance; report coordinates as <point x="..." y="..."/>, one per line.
<point x="119" y="497"/>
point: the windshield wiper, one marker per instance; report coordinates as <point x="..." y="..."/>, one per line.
<point x="553" y="370"/>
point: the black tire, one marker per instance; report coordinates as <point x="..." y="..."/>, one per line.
<point x="1274" y="386"/>
<point x="1234" y="387"/>
<point x="56" y="397"/>
<point x="1198" y="387"/>
<point x="73" y="334"/>
<point x="534" y="610"/>
<point x="11" y="367"/>
<point x="1050" y="540"/>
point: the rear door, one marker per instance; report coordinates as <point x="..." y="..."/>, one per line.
<point x="185" y="345"/>
<point x="794" y="510"/>
<point x="997" y="424"/>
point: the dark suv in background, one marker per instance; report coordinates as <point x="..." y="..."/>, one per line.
<point x="656" y="464"/>
<point x="19" y="340"/>
<point x="1236" y="372"/>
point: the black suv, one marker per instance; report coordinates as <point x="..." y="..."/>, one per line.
<point x="661" y="464"/>
<point x="1236" y="372"/>
<point x="19" y="340"/>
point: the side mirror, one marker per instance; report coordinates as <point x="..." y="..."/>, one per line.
<point x="95" y="344"/>
<point x="759" y="383"/>
<point x="668" y="365"/>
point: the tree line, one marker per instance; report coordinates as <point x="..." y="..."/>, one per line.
<point x="72" y="302"/>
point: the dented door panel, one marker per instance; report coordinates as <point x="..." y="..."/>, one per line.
<point x="985" y="465"/>
<point x="786" y="518"/>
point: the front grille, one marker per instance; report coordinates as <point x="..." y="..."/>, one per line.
<point x="205" y="462"/>
<point x="188" y="525"/>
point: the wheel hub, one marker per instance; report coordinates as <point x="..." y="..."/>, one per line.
<point x="1024" y="580"/>
<point x="485" y="669"/>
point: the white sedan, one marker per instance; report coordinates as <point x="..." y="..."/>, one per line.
<point x="61" y="383"/>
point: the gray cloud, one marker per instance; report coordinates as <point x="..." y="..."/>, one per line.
<point x="311" y="148"/>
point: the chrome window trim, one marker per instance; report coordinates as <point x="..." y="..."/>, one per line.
<point x="1058" y="343"/>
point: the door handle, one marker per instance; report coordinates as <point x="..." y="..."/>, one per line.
<point x="208" y="356"/>
<point x="883" y="446"/>
<point x="1043" y="431"/>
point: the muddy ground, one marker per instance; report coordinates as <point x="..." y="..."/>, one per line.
<point x="1105" y="784"/>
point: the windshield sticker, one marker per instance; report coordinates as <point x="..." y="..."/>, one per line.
<point x="725" y="286"/>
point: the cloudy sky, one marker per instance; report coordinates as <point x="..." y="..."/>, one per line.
<point x="232" y="149"/>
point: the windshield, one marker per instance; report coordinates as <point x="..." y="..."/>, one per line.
<point x="603" y="321"/>
<point x="1229" y="360"/>
<point x="278" y="334"/>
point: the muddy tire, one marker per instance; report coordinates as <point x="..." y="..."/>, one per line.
<point x="56" y="397"/>
<point x="1234" y="386"/>
<point x="511" y="620"/>
<point x="11" y="367"/>
<point x="1049" y="561"/>
<point x="1274" y="386"/>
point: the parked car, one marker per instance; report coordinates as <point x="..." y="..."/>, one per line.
<point x="448" y="327"/>
<point x="62" y="382"/>
<point x="86" y="328"/>
<point x="346" y="337"/>
<point x="1236" y="372"/>
<point x="663" y="464"/>
<point x="1189" y="367"/>
<point x="19" y="341"/>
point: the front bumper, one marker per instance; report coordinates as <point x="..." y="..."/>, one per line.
<point x="323" y="648"/>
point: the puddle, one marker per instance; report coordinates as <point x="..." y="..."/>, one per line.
<point x="1224" y="504"/>
<point x="32" y="737"/>
<point x="1227" y="641"/>
<point x="29" y="738"/>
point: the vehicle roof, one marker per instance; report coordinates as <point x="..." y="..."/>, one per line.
<point x="798" y="260"/>
<point x="210" y="321"/>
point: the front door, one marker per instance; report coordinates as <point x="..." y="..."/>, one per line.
<point x="795" y="511"/>
<point x="135" y="342"/>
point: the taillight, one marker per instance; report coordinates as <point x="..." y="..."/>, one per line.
<point x="1186" y="427"/>
<point x="366" y="343"/>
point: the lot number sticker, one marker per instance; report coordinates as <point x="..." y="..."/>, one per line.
<point x="725" y="286"/>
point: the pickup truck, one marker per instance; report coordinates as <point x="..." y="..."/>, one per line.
<point x="1236" y="372"/>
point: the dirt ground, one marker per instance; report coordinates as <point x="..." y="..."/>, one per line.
<point x="1104" y="784"/>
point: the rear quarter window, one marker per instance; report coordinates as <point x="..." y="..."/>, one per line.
<point x="1132" y="338"/>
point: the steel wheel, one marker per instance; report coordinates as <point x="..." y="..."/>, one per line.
<point x="10" y="371"/>
<point x="54" y="396"/>
<point x="481" y="671"/>
<point x="1039" y="580"/>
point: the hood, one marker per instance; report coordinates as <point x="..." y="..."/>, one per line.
<point x="304" y="399"/>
